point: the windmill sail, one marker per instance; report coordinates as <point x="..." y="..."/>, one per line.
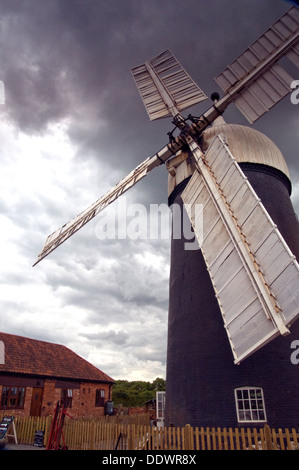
<point x="67" y="230"/>
<point x="242" y="247"/>
<point x="255" y="82"/>
<point x="266" y="82"/>
<point x="165" y="87"/>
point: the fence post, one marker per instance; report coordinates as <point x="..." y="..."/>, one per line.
<point x="48" y="423"/>
<point x="131" y="436"/>
<point x="268" y="438"/>
<point x="188" y="435"/>
<point x="92" y="435"/>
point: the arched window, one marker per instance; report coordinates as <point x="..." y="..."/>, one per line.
<point x="250" y="404"/>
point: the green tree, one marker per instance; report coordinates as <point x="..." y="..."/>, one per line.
<point x="159" y="385"/>
<point x="136" y="392"/>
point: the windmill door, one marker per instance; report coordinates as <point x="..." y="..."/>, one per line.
<point x="36" y="401"/>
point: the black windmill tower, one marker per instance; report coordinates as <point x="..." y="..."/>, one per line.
<point x="234" y="301"/>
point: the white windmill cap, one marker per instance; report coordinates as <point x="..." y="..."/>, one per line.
<point x="246" y="144"/>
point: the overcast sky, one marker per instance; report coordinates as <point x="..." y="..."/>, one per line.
<point x="72" y="126"/>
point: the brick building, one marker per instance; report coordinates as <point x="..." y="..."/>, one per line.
<point x="36" y="374"/>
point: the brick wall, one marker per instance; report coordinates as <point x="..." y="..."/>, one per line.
<point x="87" y="398"/>
<point x="50" y="397"/>
<point x="83" y="400"/>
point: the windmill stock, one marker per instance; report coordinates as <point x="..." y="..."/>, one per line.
<point x="234" y="255"/>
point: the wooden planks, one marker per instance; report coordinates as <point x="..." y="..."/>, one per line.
<point x="104" y="434"/>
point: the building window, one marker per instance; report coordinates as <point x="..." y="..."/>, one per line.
<point x="67" y="397"/>
<point x="250" y="404"/>
<point x="100" y="397"/>
<point x="12" y="397"/>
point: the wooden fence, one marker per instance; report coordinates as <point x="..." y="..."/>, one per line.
<point x="114" y="433"/>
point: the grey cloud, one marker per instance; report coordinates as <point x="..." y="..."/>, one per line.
<point x="110" y="337"/>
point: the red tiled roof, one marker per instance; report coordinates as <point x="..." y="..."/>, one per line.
<point x="34" y="357"/>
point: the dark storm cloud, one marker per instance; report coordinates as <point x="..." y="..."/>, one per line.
<point x="74" y="58"/>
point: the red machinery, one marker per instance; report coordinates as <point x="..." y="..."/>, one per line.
<point x="56" y="433"/>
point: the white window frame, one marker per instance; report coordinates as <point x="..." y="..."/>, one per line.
<point x="250" y="404"/>
<point x="160" y="407"/>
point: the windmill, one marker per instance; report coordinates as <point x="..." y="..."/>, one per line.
<point x="242" y="248"/>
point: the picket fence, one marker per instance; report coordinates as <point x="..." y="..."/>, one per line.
<point x="135" y="433"/>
